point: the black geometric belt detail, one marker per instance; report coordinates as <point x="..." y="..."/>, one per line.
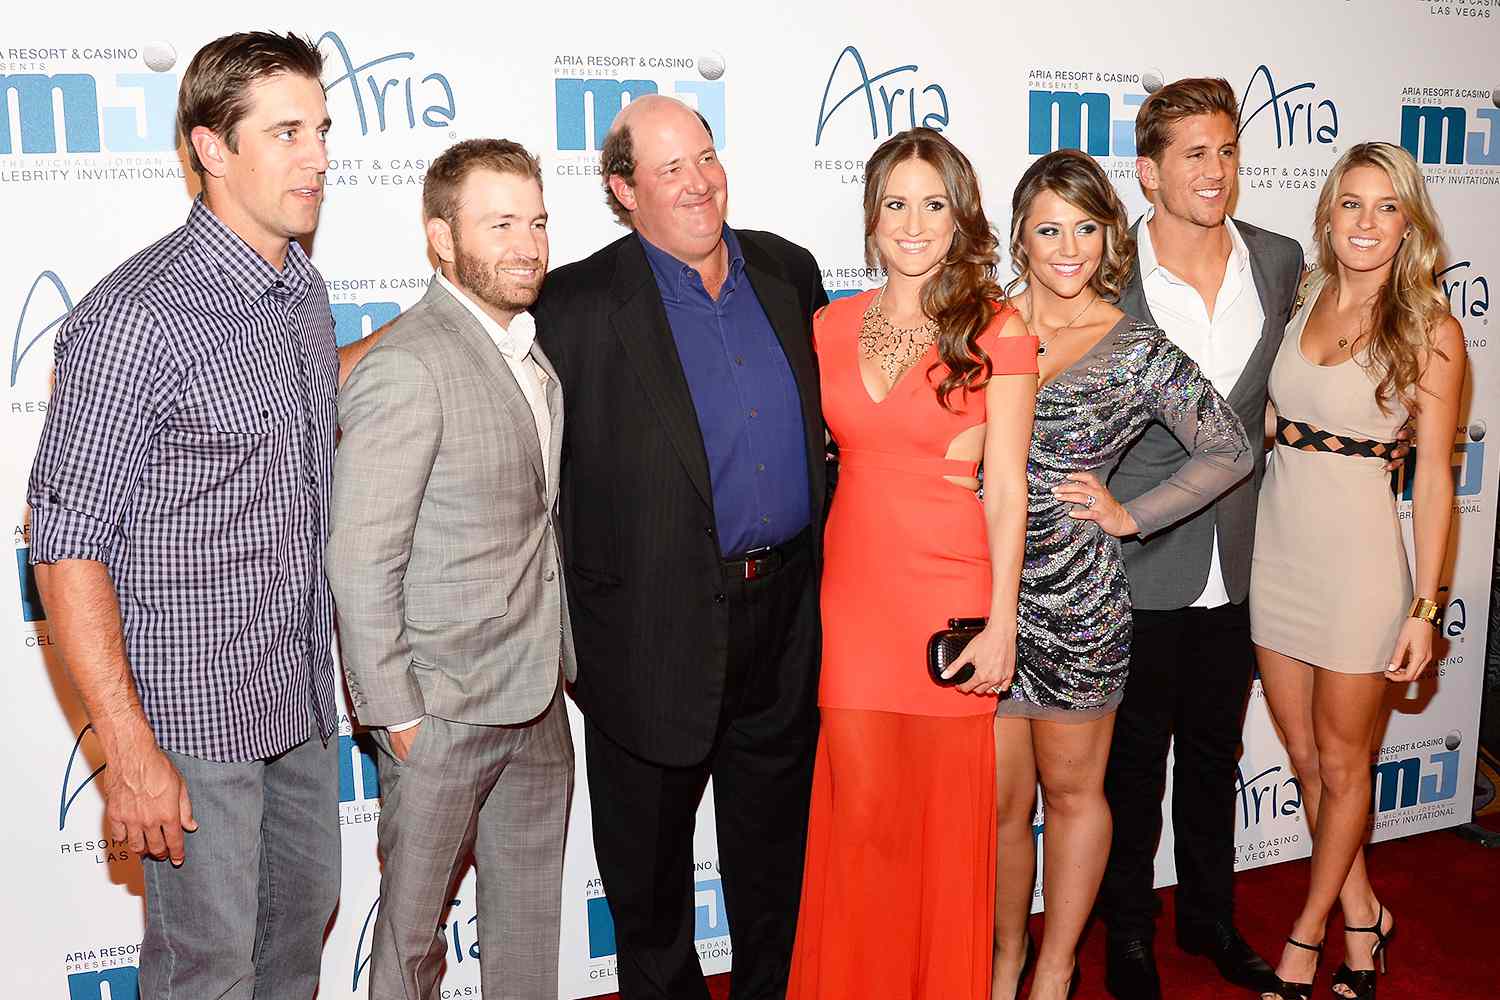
<point x="1306" y="437"/>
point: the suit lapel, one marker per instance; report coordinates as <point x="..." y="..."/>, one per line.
<point x="458" y="320"/>
<point x="785" y="311"/>
<point x="554" y="396"/>
<point x="1252" y="379"/>
<point x="1133" y="295"/>
<point x="640" y="321"/>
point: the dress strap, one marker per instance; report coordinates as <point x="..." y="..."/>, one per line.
<point x="919" y="465"/>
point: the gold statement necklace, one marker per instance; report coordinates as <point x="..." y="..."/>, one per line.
<point x="894" y="349"/>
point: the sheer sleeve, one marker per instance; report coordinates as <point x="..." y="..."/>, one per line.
<point x="1183" y="399"/>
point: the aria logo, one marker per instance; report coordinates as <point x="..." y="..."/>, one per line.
<point x="1455" y="618"/>
<point x="70" y="793"/>
<point x="460" y="936"/>
<point x="1468" y="291"/>
<point x="52" y="317"/>
<point x="391" y="96"/>
<point x="1298" y="114"/>
<point x="894" y="99"/>
<point x="1269" y="795"/>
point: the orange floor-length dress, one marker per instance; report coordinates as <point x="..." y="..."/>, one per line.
<point x="898" y="892"/>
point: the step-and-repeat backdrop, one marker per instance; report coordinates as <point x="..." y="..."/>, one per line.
<point x="798" y="95"/>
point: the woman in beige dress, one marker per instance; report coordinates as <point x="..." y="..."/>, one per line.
<point x="1332" y="613"/>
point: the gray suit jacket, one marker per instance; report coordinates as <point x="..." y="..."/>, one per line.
<point x="1168" y="570"/>
<point x="443" y="555"/>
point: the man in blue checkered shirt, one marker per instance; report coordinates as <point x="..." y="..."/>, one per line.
<point x="179" y="506"/>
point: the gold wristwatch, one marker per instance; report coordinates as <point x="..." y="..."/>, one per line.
<point x="1424" y="610"/>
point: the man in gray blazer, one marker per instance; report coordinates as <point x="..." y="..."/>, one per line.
<point x="445" y="567"/>
<point x="1222" y="290"/>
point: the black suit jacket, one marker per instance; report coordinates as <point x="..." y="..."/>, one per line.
<point x="646" y="592"/>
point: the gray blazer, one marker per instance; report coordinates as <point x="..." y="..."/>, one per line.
<point x="1168" y="570"/>
<point x="443" y="554"/>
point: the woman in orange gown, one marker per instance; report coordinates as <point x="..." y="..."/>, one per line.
<point x="924" y="381"/>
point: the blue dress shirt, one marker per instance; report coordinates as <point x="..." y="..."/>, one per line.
<point x="749" y="410"/>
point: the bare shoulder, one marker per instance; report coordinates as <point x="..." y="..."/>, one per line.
<point x="1448" y="339"/>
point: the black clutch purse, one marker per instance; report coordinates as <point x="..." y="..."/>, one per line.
<point x="947" y="645"/>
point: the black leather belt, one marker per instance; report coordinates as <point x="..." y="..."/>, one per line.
<point x="767" y="559"/>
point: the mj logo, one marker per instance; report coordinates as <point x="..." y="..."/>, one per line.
<point x="106" y="984"/>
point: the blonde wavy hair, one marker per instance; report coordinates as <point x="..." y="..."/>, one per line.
<point x="1077" y="179"/>
<point x="1410" y="305"/>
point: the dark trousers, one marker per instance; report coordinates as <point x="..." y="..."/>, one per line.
<point x="761" y="766"/>
<point x="1190" y="673"/>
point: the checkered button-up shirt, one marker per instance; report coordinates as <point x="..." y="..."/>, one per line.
<point x="189" y="448"/>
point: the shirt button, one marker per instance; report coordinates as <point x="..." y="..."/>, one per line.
<point x="709" y="531"/>
<point x="739" y="359"/>
<point x="549" y="576"/>
<point x="764" y="519"/>
<point x="760" y="467"/>
<point x="720" y="598"/>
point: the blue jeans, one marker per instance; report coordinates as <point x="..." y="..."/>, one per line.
<point x="244" y="916"/>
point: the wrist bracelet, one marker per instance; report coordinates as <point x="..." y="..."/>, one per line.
<point x="1424" y="610"/>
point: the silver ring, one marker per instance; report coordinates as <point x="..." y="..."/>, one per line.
<point x="1090" y="501"/>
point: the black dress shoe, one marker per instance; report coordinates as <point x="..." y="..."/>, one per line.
<point x="1130" y="970"/>
<point x="1236" y="960"/>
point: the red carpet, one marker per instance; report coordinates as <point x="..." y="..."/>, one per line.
<point x="1444" y="891"/>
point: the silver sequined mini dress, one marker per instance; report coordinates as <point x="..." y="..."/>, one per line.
<point x="1073" y="635"/>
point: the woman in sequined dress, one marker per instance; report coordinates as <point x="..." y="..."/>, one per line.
<point x="1104" y="377"/>
<point x="922" y="381"/>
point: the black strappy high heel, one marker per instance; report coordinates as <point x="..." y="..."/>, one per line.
<point x="1361" y="983"/>
<point x="1298" y="991"/>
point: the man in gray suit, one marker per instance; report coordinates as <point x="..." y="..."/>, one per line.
<point x="445" y="568"/>
<point x="1222" y="290"/>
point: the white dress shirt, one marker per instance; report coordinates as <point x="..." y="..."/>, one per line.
<point x="514" y="344"/>
<point x="1221" y="343"/>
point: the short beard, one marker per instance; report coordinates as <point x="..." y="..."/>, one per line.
<point x="486" y="284"/>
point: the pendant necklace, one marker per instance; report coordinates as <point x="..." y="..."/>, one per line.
<point x="1042" y="348"/>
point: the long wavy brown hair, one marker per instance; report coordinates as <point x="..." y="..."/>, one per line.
<point x="1410" y="305"/>
<point x="961" y="297"/>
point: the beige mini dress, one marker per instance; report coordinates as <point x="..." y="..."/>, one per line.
<point x="1329" y="584"/>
